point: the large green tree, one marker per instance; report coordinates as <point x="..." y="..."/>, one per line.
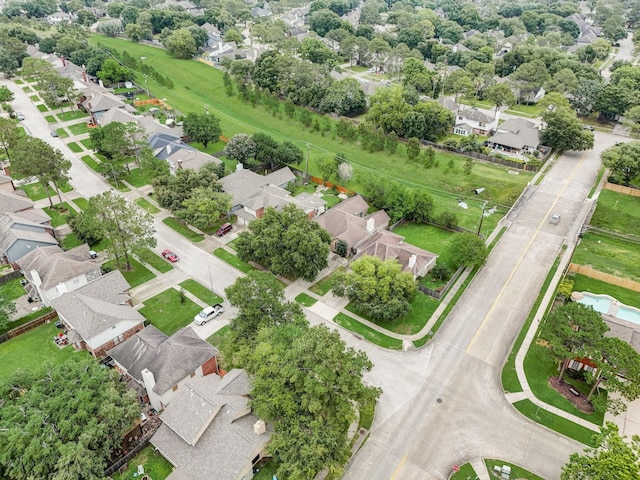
<point x="202" y="127"/>
<point x="563" y="131"/>
<point x="173" y="190"/>
<point x="9" y="135"/>
<point x="204" y="207"/>
<point x="124" y="226"/>
<point x="308" y="383"/>
<point x="500" y="94"/>
<point x="468" y="250"/>
<point x="378" y="288"/>
<point x="613" y="458"/>
<point x="63" y="421"/>
<point x="286" y="242"/>
<point x="624" y="160"/>
<point x="181" y="44"/>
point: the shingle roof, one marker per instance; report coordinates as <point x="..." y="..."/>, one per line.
<point x="514" y="125"/>
<point x="207" y="430"/>
<point x="526" y="137"/>
<point x="55" y="266"/>
<point x="97" y="306"/>
<point x="170" y="359"/>
<point x="10" y="235"/>
<point x="14" y="202"/>
<point x="476" y="115"/>
<point x="243" y="184"/>
<point x="193" y="159"/>
<point x="101" y="102"/>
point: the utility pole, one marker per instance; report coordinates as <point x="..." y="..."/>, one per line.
<point x="306" y="170"/>
<point x="484" y="205"/>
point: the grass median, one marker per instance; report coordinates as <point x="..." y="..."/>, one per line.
<point x="368" y="333"/>
<point x="232" y="260"/>
<point x="183" y="229"/>
<point x="203" y="293"/>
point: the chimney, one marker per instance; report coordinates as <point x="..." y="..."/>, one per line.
<point x="61" y="288"/>
<point x="370" y="225"/>
<point x="239" y="166"/>
<point x="149" y="382"/>
<point x="259" y="427"/>
<point x="35" y="278"/>
<point x="412" y="260"/>
<point x="179" y="163"/>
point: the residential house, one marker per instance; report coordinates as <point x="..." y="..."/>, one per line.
<point x="99" y="315"/>
<point x="18" y="202"/>
<point x="58" y="17"/>
<point x="21" y="233"/>
<point x="96" y="103"/>
<point x="449" y="104"/>
<point x="473" y="121"/>
<point x="215" y="36"/>
<point x="158" y="366"/>
<point x="190" y="158"/>
<point x="516" y="135"/>
<point x="224" y="50"/>
<point x="164" y="144"/>
<point x="210" y="432"/>
<point x="366" y="234"/>
<point x="52" y="271"/>
<point x="150" y="125"/>
<point x="6" y="183"/>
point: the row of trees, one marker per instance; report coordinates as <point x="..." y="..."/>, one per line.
<point x="261" y="148"/>
<point x="305" y="380"/>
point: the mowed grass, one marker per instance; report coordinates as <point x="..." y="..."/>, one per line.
<point x="305" y="300"/>
<point x="200" y="291"/>
<point x="182" y="229"/>
<point x="232" y="260"/>
<point x="146" y="205"/>
<point x="582" y="283"/>
<point x="136" y="178"/>
<point x="555" y="422"/>
<point x="138" y="274"/>
<point x="75" y="148"/>
<point x="82" y="203"/>
<point x="155" y="465"/>
<point x="466" y="473"/>
<point x="368" y="333"/>
<point x="90" y="161"/>
<point x="12" y="290"/>
<point x="58" y="213"/>
<point x="516" y="471"/>
<point x="617" y="212"/>
<point x="167" y="313"/>
<point x="150" y="258"/>
<point x="197" y="83"/>
<point x="430" y="238"/>
<point x="607" y="254"/>
<point x="324" y="285"/>
<point x="35" y="191"/>
<point x="78" y="128"/>
<point x="33" y="349"/>
<point x="71" y="115"/>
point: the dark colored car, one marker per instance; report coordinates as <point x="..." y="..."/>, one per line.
<point x="169" y="255"/>
<point x="226" y="228"/>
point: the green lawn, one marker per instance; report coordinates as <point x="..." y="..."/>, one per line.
<point x="211" y="147"/>
<point x="32" y="349"/>
<point x="58" y="213"/>
<point x="34" y="98"/>
<point x="430" y="238"/>
<point x="538" y="369"/>
<point x="12" y="290"/>
<point x="42" y="107"/>
<point x="516" y="471"/>
<point x="554" y="422"/>
<point x="583" y="283"/>
<point x="200" y="291"/>
<point x="618" y="212"/>
<point x="137" y="276"/>
<point x="88" y="144"/>
<point x="466" y="473"/>
<point x="62" y="133"/>
<point x="150" y="258"/>
<point x="267" y="471"/>
<point x="70" y="241"/>
<point x="197" y="83"/>
<point x="331" y="199"/>
<point x="78" y="128"/>
<point x="35" y="191"/>
<point x="91" y="162"/>
<point x="218" y="337"/>
<point x="82" y="203"/>
<point x="51" y="119"/>
<point x="155" y="465"/>
<point x="146" y="205"/>
<point x="422" y="308"/>
<point x="136" y="178"/>
<point x="71" y="115"/>
<point x="75" y="148"/>
<point x="324" y="285"/>
<point x="306" y="300"/>
<point x="368" y="333"/>
<point x="608" y="254"/>
<point x="167" y="314"/>
<point x="26" y="319"/>
<point x="182" y="229"/>
<point x="232" y="260"/>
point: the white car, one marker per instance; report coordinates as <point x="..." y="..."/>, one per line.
<point x="208" y="313"/>
<point x="20" y="116"/>
<point x="371" y="70"/>
<point x="555" y="218"/>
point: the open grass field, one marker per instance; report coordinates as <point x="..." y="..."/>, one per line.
<point x="167" y="313"/>
<point x="34" y="348"/>
<point x="197" y="84"/>
<point x="583" y="283"/>
<point x="617" y="212"/>
<point x="200" y="291"/>
<point x="608" y="254"/>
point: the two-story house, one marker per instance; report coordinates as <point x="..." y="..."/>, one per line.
<point x="23" y="232"/>
<point x="473" y="121"/>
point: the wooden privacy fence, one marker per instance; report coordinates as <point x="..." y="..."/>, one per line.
<point x="10" y="276"/>
<point x="634" y="192"/>
<point x="605" y="277"/>
<point x="320" y="181"/>
<point x="28" y="326"/>
<point x="152" y="101"/>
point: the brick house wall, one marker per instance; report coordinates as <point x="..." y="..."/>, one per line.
<point x="210" y="366"/>
<point x="102" y="349"/>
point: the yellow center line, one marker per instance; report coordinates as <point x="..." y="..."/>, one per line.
<point x="525" y="251"/>
<point x="399" y="467"/>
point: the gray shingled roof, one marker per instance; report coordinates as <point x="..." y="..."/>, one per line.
<point x="193" y="159"/>
<point x="55" y="266"/>
<point x="514" y="125"/>
<point x="170" y="359"/>
<point x="529" y="137"/>
<point x="97" y="306"/>
<point x="14" y="202"/>
<point x="475" y="115"/>
<point x="207" y="430"/>
<point x="244" y="183"/>
<point x="9" y="234"/>
<point x="101" y="102"/>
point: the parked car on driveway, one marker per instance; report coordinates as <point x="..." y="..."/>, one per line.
<point x="169" y="255"/>
<point x="208" y="313"/>
<point x="226" y="228"/>
<point x="20" y="116"/>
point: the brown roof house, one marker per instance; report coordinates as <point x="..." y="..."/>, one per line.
<point x="99" y="314"/>
<point x="251" y="194"/>
<point x="368" y="235"/>
<point x="209" y="432"/>
<point x="23" y="232"/>
<point x="160" y="366"/>
<point x="52" y="272"/>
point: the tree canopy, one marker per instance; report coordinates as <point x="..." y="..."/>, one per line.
<point x="563" y="131"/>
<point x="202" y="127"/>
<point x="286" y="242"/>
<point x="63" y="421"/>
<point x="378" y="288"/>
<point x="624" y="160"/>
<point x="468" y="250"/>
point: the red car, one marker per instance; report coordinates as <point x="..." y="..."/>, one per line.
<point x="169" y="255"/>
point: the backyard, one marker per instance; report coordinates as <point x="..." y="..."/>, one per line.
<point x="608" y="254"/>
<point x="169" y="311"/>
<point x="197" y="83"/>
<point x="617" y="212"/>
<point x="154" y="464"/>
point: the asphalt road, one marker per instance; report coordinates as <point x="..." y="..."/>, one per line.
<point x="460" y="411"/>
<point x="205" y="268"/>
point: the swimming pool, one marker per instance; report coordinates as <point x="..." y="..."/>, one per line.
<point x="610" y="306"/>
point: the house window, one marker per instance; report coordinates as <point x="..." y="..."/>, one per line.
<point x="482" y="124"/>
<point x="175" y="387"/>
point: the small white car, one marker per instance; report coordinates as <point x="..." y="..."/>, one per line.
<point x="555" y="218"/>
<point x="20" y="116"/>
<point x="208" y="313"/>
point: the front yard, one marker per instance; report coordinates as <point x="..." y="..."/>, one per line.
<point x="201" y="292"/>
<point x="138" y="274"/>
<point x="168" y="312"/>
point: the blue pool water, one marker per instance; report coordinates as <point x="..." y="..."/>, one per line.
<point x="602" y="304"/>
